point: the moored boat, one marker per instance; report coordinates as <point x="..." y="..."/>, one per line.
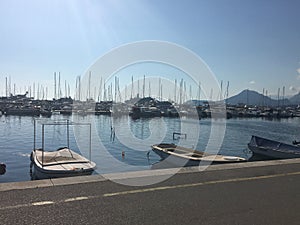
<point x="62" y="162"/>
<point x="270" y="149"/>
<point x="189" y="157"/>
<point x="22" y="111"/>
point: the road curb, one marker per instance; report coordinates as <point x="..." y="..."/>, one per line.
<point x="138" y="174"/>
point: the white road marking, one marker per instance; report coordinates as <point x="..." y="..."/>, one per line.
<point x="161" y="188"/>
<point x="42" y="203"/>
<point x="76" y="199"/>
<point x="199" y="184"/>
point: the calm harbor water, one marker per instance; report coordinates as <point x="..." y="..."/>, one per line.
<point x="112" y="136"/>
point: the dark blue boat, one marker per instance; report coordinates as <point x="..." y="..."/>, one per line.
<point x="270" y="149"/>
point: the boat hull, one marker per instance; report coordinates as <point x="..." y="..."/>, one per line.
<point x="189" y="157"/>
<point x="176" y="160"/>
<point x="38" y="173"/>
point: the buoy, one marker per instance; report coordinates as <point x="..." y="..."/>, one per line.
<point x="2" y="168"/>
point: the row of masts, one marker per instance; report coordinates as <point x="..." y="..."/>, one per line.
<point x="139" y="88"/>
<point x="104" y="91"/>
<point x="57" y="88"/>
<point x="36" y="91"/>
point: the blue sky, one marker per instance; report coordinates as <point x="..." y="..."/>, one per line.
<point x="251" y="44"/>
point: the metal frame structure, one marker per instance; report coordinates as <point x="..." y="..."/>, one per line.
<point x="66" y="123"/>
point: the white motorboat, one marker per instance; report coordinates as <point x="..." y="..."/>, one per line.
<point x="62" y="162"/>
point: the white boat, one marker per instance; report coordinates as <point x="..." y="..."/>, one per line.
<point x="190" y="157"/>
<point x="62" y="162"/>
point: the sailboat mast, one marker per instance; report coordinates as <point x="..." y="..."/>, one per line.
<point x="33" y="90"/>
<point x="175" y="90"/>
<point x="221" y="91"/>
<point x="138" y="91"/>
<point x="100" y="91"/>
<point x="184" y="92"/>
<point x="159" y="88"/>
<point x="55" y="85"/>
<point x="144" y="87"/>
<point x="278" y="96"/>
<point x="89" y="87"/>
<point x="66" y="89"/>
<point x="115" y="97"/>
<point x="131" y="87"/>
<point x="161" y="92"/>
<point x="283" y="93"/>
<point x="199" y="91"/>
<point x="59" y="90"/>
<point x="6" y="93"/>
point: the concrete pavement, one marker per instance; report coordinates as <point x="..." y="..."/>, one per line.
<point x="246" y="193"/>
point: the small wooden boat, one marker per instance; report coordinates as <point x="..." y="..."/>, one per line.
<point x="60" y="163"/>
<point x="190" y="157"/>
<point x="270" y="149"/>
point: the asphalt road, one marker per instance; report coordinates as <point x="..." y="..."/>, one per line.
<point x="254" y="195"/>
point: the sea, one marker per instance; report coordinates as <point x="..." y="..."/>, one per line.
<point x="121" y="144"/>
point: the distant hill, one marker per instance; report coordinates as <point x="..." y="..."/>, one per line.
<point x="249" y="97"/>
<point x="295" y="100"/>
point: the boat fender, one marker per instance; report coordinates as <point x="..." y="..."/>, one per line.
<point x="2" y="168"/>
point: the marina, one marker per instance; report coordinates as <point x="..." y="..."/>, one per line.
<point x="149" y="112"/>
<point x="16" y="140"/>
<point x="22" y="105"/>
<point x="129" y="129"/>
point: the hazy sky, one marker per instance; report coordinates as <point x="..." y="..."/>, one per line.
<point x="252" y="44"/>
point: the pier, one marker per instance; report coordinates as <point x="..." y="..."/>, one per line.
<point x="264" y="192"/>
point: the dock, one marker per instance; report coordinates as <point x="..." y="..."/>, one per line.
<point x="263" y="192"/>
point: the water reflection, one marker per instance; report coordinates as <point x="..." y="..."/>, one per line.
<point x="131" y="148"/>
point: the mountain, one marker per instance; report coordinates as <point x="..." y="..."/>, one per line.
<point x="249" y="97"/>
<point x="295" y="100"/>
